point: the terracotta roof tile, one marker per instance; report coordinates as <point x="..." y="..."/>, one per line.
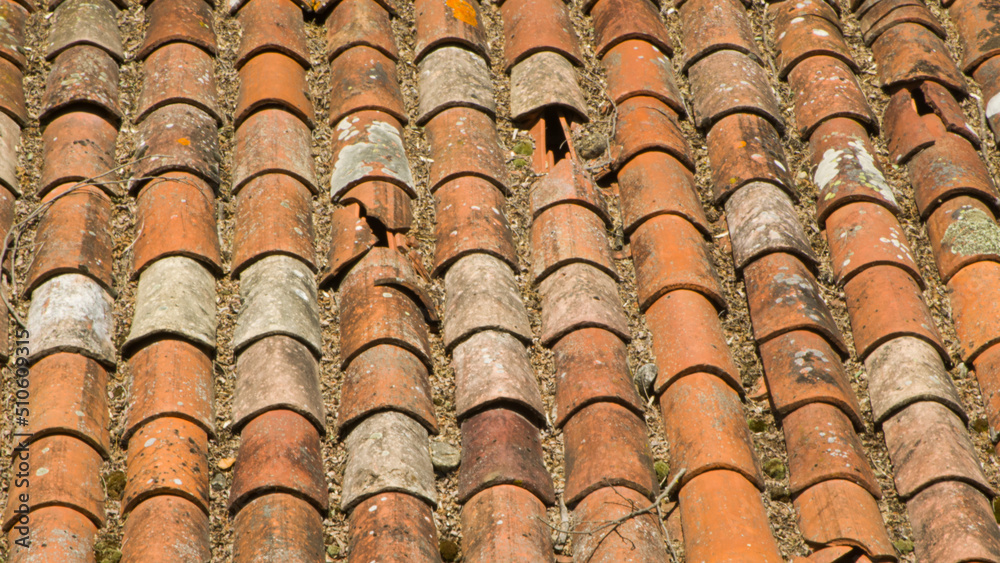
<point x="746" y="148"/>
<point x="66" y="397"/>
<point x="645" y="124"/>
<point x="393" y="523"/>
<point x="616" y="21"/>
<point x="167" y="456"/>
<point x="862" y="235"/>
<point x="278" y="525"/>
<point x="273" y="141"/>
<point x="829" y="90"/>
<point x="72" y="313"/>
<point x="367" y="80"/>
<point x="368" y="146"/>
<point x="359" y="22"/>
<point x="695" y="345"/>
<point x="807" y="37"/>
<point x="167" y="527"/>
<point x="279" y="452"/>
<point x="636" y="67"/>
<point x="12" y="34"/>
<point x="743" y="88"/>
<point x="492" y="368"/>
<point x="272" y="25"/>
<point x="969" y="534"/>
<point x="910" y="52"/>
<point x="273" y="80"/>
<point x="178" y="73"/>
<point x="544" y="80"/>
<point x="534" y="26"/>
<point x="591" y="368"/>
<point x="183" y="21"/>
<point x="471" y="220"/>
<point x="81" y="75"/>
<point x="85" y="22"/>
<point x="802" y="369"/>
<point x="464" y="143"/>
<point x="59" y="534"/>
<point x="715" y="26"/>
<point x="177" y="138"/>
<point x="762" y="220"/>
<point x="78" y="146"/>
<point x="175" y="297"/>
<point x="450" y="77"/>
<point x="839" y="512"/>
<point x="505" y="523"/>
<point x="273" y="217"/>
<point x="440" y="23"/>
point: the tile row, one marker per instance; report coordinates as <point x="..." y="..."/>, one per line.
<point x="70" y="325"/>
<point x="175" y="259"/>
<point x="608" y="460"/>
<point x="503" y="483"/>
<point x="386" y="414"/>
<point x="833" y="487"/>
<point x="279" y="494"/>
<point x="698" y="384"/>
<point x="935" y="464"/>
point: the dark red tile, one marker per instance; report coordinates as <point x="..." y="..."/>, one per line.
<point x="590" y="367"/>
<point x="884" y="15"/>
<point x="12" y="36"/>
<point x="501" y="447"/>
<point x="279" y="451"/>
<point x="81" y="76"/>
<point x="950" y="168"/>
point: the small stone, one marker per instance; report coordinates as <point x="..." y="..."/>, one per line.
<point x="219" y="482"/>
<point x="980" y="424"/>
<point x="903" y="546"/>
<point x="757" y="425"/>
<point x="775" y="469"/>
<point x="962" y="371"/>
<point x="225" y="463"/>
<point x="519" y="163"/>
<point x="591" y="145"/>
<point x="779" y="493"/>
<point x="114" y="483"/>
<point x="445" y="457"/>
<point x="118" y="392"/>
<point x="644" y="378"/>
<point x="333" y="550"/>
<point x="524" y="148"/>
<point x="662" y="470"/>
<point x="449" y="550"/>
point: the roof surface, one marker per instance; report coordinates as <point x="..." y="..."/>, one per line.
<point x="605" y="281"/>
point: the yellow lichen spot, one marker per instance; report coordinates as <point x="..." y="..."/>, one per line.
<point x="184" y="141"/>
<point x="463" y="12"/>
<point x="741" y="144"/>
